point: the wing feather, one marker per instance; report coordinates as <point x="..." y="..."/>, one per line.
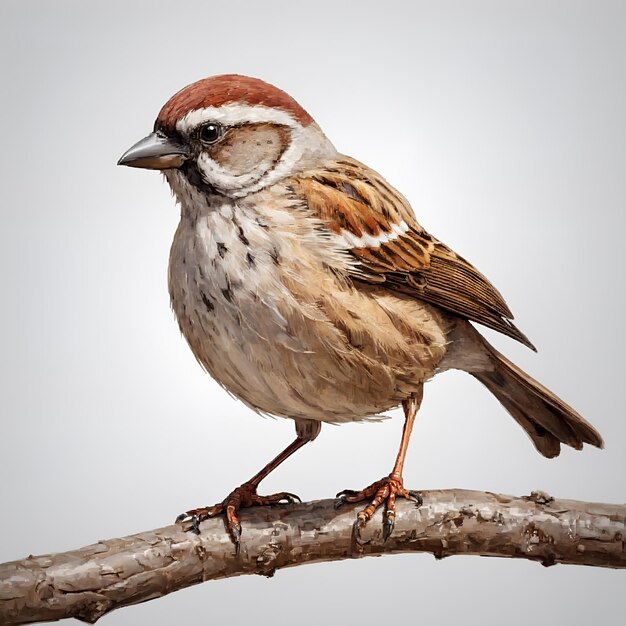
<point x="380" y="231"/>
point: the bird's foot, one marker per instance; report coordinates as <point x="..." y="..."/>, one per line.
<point x="381" y="492"/>
<point x="240" y="498"/>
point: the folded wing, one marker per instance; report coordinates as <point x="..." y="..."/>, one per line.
<point x="378" y="227"/>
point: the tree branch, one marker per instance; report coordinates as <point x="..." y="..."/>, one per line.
<point x="91" y="581"/>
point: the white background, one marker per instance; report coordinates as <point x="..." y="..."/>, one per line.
<point x="502" y="122"/>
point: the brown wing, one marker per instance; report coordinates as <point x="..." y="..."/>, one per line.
<point x="380" y="230"/>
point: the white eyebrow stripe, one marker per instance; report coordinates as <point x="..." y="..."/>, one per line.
<point x="234" y="113"/>
<point x="371" y="241"/>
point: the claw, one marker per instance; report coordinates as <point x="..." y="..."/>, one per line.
<point x="195" y="524"/>
<point x="358" y="525"/>
<point x="416" y="496"/>
<point x="181" y="518"/>
<point x="356" y="531"/>
<point x="388" y="524"/>
<point x="235" y="533"/>
<point x="346" y="492"/>
<point x="292" y="498"/>
<point x="339" y="502"/>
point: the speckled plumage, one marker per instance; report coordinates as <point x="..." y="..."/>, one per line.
<point x="305" y="286"/>
<point x="252" y="287"/>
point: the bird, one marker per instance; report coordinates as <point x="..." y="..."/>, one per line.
<point x="306" y="287"/>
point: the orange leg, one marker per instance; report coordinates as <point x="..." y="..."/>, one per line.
<point x="386" y="490"/>
<point x="246" y="495"/>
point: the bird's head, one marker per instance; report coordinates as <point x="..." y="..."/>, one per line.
<point x="231" y="135"/>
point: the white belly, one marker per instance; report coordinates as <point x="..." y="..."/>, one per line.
<point x="223" y="294"/>
<point x="265" y="318"/>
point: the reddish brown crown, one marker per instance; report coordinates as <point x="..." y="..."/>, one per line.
<point x="227" y="88"/>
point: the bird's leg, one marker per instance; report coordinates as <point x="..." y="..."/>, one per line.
<point x="246" y="495"/>
<point x="386" y="490"/>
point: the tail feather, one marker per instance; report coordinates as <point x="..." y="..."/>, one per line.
<point x="545" y="417"/>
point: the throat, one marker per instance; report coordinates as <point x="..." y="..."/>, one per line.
<point x="195" y="196"/>
<point x="190" y="171"/>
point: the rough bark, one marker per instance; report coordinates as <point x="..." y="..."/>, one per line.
<point x="91" y="581"/>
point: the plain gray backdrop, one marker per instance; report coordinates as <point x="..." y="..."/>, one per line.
<point x="504" y="125"/>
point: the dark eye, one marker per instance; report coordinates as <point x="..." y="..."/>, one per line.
<point x="210" y="133"/>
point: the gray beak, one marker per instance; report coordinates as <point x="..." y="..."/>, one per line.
<point x="154" y="152"/>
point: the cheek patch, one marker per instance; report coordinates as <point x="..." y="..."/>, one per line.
<point x="246" y="147"/>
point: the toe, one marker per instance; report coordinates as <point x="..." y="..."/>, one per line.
<point x="382" y="493"/>
<point x="190" y="520"/>
<point x="284" y="497"/>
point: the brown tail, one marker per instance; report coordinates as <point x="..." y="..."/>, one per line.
<point x="545" y="417"/>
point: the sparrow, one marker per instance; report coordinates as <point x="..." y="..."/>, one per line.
<point x="305" y="286"/>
